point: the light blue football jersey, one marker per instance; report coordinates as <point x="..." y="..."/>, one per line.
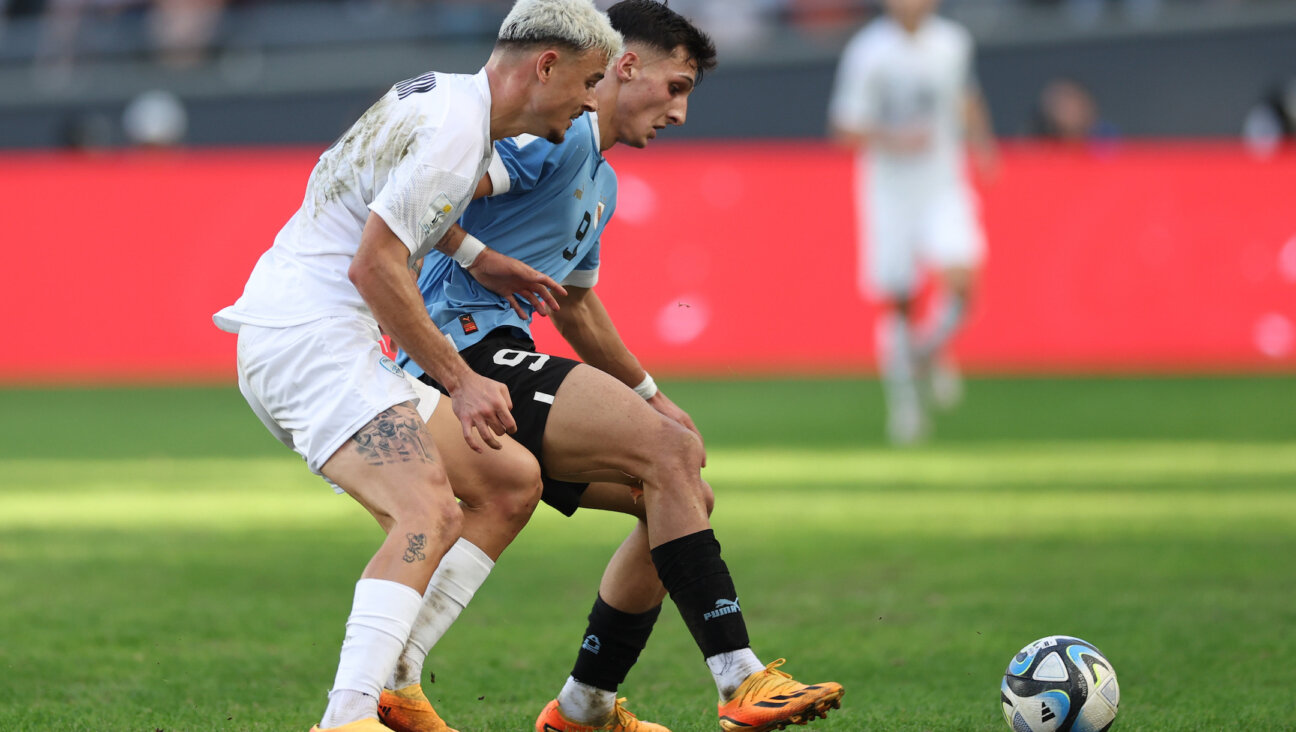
<point x="551" y="217"/>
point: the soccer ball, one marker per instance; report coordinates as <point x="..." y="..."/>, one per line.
<point x="1059" y="684"/>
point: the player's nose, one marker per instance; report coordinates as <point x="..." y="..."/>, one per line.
<point x="677" y="113"/>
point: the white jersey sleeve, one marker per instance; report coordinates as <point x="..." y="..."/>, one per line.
<point x="966" y="55"/>
<point x="586" y="273"/>
<point x="423" y="190"/>
<point x="854" y="102"/>
<point x="413" y="159"/>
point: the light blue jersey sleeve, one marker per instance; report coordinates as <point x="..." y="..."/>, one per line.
<point x="585" y="274"/>
<point x="552" y="215"/>
<point x="525" y="162"/>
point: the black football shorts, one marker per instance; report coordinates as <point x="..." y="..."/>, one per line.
<point x="532" y="379"/>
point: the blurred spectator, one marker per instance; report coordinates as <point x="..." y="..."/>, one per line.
<point x="1272" y="120"/>
<point x="182" y="30"/>
<point x="179" y="31"/>
<point x="1067" y="112"/>
<point x="829" y="15"/>
<point x="87" y="132"/>
<point x="735" y="25"/>
<point x="61" y="28"/>
<point x="155" y="119"/>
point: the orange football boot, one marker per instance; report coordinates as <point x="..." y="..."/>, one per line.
<point x="552" y="720"/>
<point x="771" y="699"/>
<point x="368" y="724"/>
<point x="408" y="710"/>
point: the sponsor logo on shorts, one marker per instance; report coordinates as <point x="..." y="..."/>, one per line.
<point x="469" y="325"/>
<point x="390" y="365"/>
<point x="591" y="644"/>
<point x="722" y="608"/>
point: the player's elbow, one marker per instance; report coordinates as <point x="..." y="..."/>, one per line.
<point x="845" y="137"/>
<point x="363" y="272"/>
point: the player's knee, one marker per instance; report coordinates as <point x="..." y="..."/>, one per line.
<point x="900" y="306"/>
<point x="708" y="497"/>
<point x="687" y="447"/>
<point x="678" y="456"/>
<point x="442" y="515"/>
<point x="431" y="507"/>
<point x="520" y="492"/>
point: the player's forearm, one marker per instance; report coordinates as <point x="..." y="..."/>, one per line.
<point x="980" y="132"/>
<point x="904" y="140"/>
<point x="453" y="239"/>
<point x="586" y="325"/>
<point x="849" y="137"/>
<point x="460" y="246"/>
<point x="380" y="273"/>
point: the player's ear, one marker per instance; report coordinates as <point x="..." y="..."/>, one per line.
<point x="545" y="63"/>
<point x="627" y="66"/>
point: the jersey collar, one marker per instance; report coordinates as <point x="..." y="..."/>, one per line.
<point x="594" y="132"/>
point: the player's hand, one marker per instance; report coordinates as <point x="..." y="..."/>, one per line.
<point x="663" y="404"/>
<point x="910" y="140"/>
<point x="986" y="160"/>
<point x="483" y="405"/>
<point x="510" y="278"/>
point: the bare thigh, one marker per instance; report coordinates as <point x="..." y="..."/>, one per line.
<point x="598" y="428"/>
<point x="477" y="477"/>
<point x="388" y="460"/>
<point x="392" y="467"/>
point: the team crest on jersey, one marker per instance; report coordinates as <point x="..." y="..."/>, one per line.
<point x="436" y="214"/>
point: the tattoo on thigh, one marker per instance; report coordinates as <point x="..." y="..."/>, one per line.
<point x="414" y="552"/>
<point x="395" y="436"/>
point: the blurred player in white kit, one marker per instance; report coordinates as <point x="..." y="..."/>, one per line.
<point x="906" y="98"/>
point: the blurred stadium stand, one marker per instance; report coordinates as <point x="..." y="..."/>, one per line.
<point x="299" y="71"/>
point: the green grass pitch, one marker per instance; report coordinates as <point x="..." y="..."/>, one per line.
<point x="166" y="565"/>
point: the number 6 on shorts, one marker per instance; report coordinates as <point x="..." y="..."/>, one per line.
<point x="512" y="357"/>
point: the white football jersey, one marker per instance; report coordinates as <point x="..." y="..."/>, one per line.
<point x="414" y="158"/>
<point x="891" y="79"/>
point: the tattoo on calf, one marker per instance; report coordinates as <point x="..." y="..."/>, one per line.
<point x="414" y="552"/>
<point x="393" y="436"/>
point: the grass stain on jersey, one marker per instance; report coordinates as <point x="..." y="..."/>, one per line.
<point x="336" y="172"/>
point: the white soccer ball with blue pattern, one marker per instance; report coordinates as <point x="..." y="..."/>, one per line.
<point x="1060" y="684"/>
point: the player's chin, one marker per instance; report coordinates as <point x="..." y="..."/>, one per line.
<point x="559" y="132"/>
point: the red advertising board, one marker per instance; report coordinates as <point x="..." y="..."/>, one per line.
<point x="723" y="258"/>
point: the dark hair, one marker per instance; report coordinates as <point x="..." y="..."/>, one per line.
<point x="651" y="22"/>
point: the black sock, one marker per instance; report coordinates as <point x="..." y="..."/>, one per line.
<point x="698" y="581"/>
<point x="613" y="640"/>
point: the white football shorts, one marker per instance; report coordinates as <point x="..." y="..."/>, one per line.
<point x="315" y="385"/>
<point x="903" y="234"/>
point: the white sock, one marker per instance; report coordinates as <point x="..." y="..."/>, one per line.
<point x="585" y="704"/>
<point x="379" y="625"/>
<point x="346" y="706"/>
<point x="895" y="343"/>
<point x="731" y="669"/>
<point x="460" y="574"/>
<point x="945" y="322"/>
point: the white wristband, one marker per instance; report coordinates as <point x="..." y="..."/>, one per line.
<point x="647" y="388"/>
<point x="468" y="251"/>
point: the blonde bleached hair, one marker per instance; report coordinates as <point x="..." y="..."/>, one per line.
<point x="573" y="23"/>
